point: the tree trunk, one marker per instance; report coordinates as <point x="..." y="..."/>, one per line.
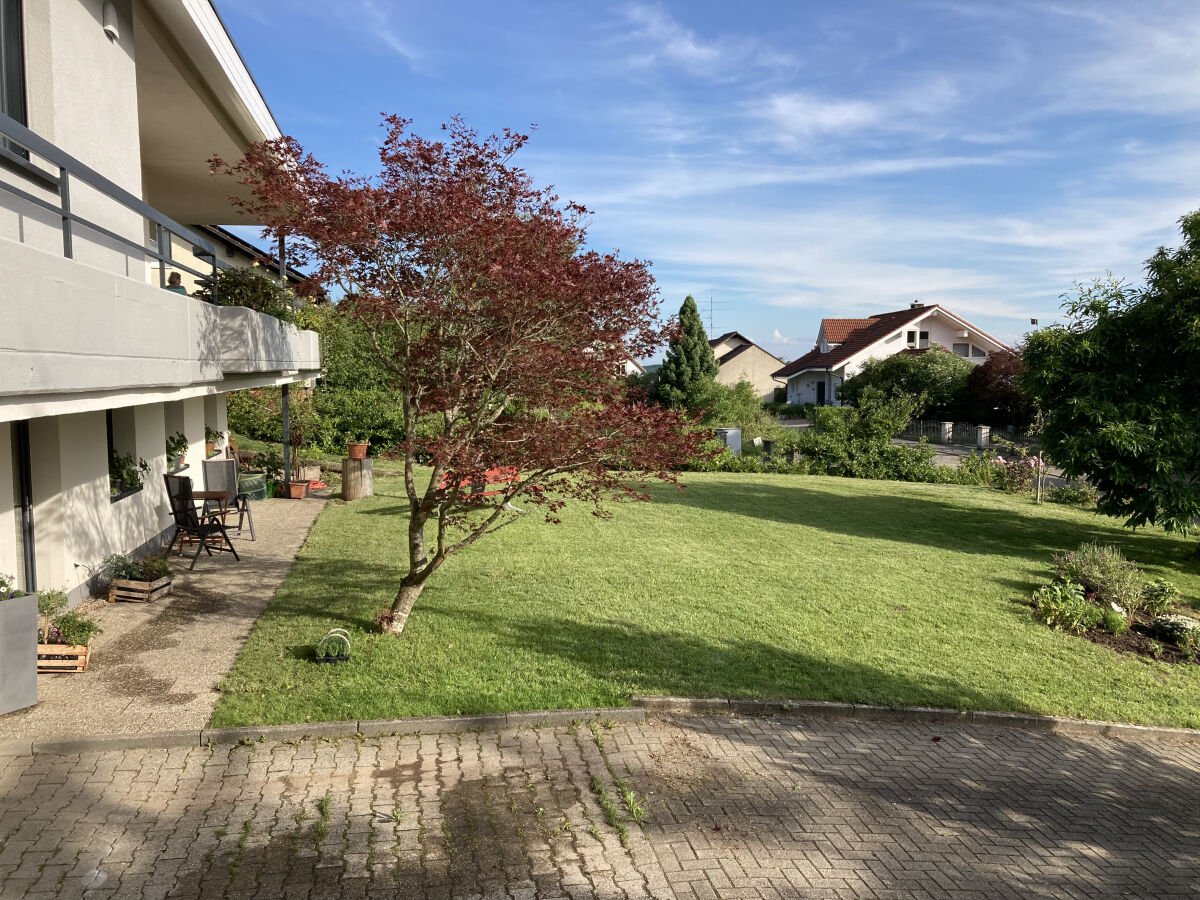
<point x="403" y="604"/>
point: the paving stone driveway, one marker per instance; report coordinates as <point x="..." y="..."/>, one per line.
<point x="760" y="808"/>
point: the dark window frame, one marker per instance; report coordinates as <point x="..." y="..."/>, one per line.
<point x="13" y="101"/>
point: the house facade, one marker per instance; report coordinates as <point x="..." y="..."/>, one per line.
<point x="109" y="111"/>
<point x="740" y="359"/>
<point x="844" y="345"/>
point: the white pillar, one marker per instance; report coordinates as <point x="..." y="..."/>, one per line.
<point x="947" y="432"/>
<point x="985" y="436"/>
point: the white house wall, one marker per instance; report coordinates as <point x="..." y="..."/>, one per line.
<point x="8" y="516"/>
<point x="81" y="91"/>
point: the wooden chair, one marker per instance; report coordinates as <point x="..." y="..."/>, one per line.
<point x="222" y="475"/>
<point x="202" y="527"/>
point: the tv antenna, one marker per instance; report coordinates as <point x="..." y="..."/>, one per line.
<point x="713" y="307"/>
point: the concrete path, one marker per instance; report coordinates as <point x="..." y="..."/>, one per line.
<point x="156" y="666"/>
<point x="732" y="808"/>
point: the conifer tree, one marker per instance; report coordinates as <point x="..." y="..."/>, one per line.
<point x="690" y="366"/>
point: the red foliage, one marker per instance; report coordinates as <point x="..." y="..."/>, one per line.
<point x="504" y="326"/>
<point x="995" y="384"/>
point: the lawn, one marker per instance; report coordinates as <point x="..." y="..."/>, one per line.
<point x="741" y="585"/>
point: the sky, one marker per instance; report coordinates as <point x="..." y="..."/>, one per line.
<point x="792" y="160"/>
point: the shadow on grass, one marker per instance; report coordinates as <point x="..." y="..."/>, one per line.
<point x="923" y="519"/>
<point x="631" y="659"/>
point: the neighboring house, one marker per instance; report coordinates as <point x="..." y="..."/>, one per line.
<point x="236" y="252"/>
<point x="740" y="359"/>
<point x="109" y="112"/>
<point x="632" y="367"/>
<point x="843" y="345"/>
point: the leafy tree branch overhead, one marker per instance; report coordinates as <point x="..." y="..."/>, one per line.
<point x="482" y="300"/>
<point x="1120" y="387"/>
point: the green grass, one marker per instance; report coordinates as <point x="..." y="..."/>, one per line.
<point x="742" y="585"/>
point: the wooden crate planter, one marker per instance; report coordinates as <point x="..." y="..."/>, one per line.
<point x="138" y="591"/>
<point x="62" y="658"/>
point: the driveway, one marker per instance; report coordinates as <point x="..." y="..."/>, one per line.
<point x="731" y="808"/>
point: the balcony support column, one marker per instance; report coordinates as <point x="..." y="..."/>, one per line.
<point x="287" y="436"/>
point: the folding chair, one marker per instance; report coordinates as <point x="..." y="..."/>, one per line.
<point x="222" y="475"/>
<point x="202" y="527"/>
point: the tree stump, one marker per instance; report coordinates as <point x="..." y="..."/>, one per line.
<point x="358" y="479"/>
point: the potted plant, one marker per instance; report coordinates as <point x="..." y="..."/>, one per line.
<point x="139" y="580"/>
<point x="18" y="653"/>
<point x="333" y="647"/>
<point x="357" y="449"/>
<point x="211" y="437"/>
<point x="177" y="448"/>
<point x="64" y="640"/>
<point x="126" y="474"/>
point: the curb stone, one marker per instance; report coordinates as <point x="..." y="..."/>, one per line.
<point x="913" y="714"/>
<point x="72" y="745"/>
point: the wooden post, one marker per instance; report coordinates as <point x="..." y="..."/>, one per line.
<point x="358" y="479"/>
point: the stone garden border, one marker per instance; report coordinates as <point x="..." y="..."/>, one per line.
<point x="642" y="706"/>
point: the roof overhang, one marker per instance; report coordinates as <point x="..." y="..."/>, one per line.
<point x="196" y="99"/>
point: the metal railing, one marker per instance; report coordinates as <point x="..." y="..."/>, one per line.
<point x="17" y="152"/>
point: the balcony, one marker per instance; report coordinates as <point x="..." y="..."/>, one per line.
<point x="81" y="333"/>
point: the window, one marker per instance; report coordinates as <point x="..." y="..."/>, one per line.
<point x="923" y="344"/>
<point x="961" y="349"/>
<point x="976" y="352"/>
<point x="12" y="61"/>
<point x="911" y="338"/>
<point x="126" y="470"/>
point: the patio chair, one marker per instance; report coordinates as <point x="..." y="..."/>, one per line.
<point x="222" y="475"/>
<point x="202" y="527"/>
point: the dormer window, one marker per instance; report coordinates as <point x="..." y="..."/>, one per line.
<point x="910" y="338"/>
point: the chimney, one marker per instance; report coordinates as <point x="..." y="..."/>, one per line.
<point x="916" y="304"/>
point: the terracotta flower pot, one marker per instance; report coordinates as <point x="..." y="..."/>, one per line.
<point x="210" y="447"/>
<point x="356" y="450"/>
<point x="297" y="490"/>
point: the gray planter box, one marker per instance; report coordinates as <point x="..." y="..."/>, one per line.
<point x="18" y="652"/>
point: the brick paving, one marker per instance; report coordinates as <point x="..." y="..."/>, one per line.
<point x="734" y="808"/>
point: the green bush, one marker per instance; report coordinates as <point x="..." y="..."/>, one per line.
<point x="1158" y="595"/>
<point x="254" y="289"/>
<point x="51" y="603"/>
<point x="1076" y="492"/>
<point x="1104" y="573"/>
<point x="1063" y="606"/>
<point x="129" y="567"/>
<point x="1112" y="620"/>
<point x="73" y="628"/>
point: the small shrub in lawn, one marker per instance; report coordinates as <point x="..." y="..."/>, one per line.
<point x="1158" y="595"/>
<point x="1063" y="606"/>
<point x="1177" y="629"/>
<point x="1104" y="573"/>
<point x="1073" y="493"/>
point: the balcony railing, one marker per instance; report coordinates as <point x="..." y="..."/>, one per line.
<point x="21" y="147"/>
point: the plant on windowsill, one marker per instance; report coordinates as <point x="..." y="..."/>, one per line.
<point x="126" y="475"/>
<point x="139" y="580"/>
<point x="177" y="447"/>
<point x="211" y="437"/>
<point x="64" y="638"/>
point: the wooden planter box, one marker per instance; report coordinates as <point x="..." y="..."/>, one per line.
<point x="139" y="591"/>
<point x="62" y="658"/>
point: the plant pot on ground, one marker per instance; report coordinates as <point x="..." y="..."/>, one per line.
<point x="138" y="580"/>
<point x="18" y="656"/>
<point x="357" y="449"/>
<point x="296" y="490"/>
<point x="64" y="643"/>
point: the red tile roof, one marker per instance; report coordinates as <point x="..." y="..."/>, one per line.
<point x="837" y="330"/>
<point x="877" y="328"/>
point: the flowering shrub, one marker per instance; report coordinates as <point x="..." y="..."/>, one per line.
<point x="73" y="627"/>
<point x="8" y="587"/>
<point x="1177" y="629"/>
<point x="1104" y="573"/>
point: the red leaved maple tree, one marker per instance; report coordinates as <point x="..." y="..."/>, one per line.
<point x="504" y="334"/>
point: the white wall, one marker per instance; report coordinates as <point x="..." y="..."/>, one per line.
<point x="8" y="517"/>
<point x="81" y="89"/>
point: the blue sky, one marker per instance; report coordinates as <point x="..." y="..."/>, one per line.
<point x="792" y="160"/>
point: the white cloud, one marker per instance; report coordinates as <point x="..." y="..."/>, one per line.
<point x="806" y="115"/>
<point x="378" y="24"/>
